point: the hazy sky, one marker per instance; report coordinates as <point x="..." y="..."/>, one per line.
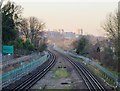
<point x="70" y="16"/>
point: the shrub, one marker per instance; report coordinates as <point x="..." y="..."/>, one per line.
<point x="42" y="47"/>
<point x="28" y="45"/>
<point x="18" y="43"/>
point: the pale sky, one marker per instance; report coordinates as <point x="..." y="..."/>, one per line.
<point x="70" y="15"/>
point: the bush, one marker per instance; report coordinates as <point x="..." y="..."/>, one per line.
<point x="108" y="50"/>
<point x="18" y="43"/>
<point x="42" y="47"/>
<point x="81" y="45"/>
<point x="28" y="45"/>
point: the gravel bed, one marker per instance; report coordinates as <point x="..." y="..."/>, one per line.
<point x="50" y="81"/>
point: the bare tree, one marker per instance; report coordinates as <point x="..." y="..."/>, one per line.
<point x="25" y="28"/>
<point x="111" y="26"/>
<point x="32" y="29"/>
<point x="36" y="27"/>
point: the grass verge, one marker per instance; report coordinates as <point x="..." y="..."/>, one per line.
<point x="99" y="73"/>
<point x="61" y="73"/>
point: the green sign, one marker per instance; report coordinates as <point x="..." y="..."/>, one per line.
<point x="8" y="49"/>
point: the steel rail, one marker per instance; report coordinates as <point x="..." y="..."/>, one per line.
<point x="29" y="82"/>
<point x="91" y="82"/>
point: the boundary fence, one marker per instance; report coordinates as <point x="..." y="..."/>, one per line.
<point x="16" y="74"/>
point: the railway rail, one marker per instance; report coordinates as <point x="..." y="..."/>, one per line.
<point x="90" y="80"/>
<point x="29" y="82"/>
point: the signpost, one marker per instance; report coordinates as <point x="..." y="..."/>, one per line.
<point x="8" y="49"/>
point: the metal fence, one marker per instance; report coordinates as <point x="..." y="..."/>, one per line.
<point x="7" y="57"/>
<point x="113" y="76"/>
<point x="87" y="60"/>
<point x="19" y="60"/>
<point x="91" y="62"/>
<point x="16" y="74"/>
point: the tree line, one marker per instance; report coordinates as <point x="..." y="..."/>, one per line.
<point x="106" y="51"/>
<point x="23" y="33"/>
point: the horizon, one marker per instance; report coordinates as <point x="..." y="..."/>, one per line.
<point x="88" y="16"/>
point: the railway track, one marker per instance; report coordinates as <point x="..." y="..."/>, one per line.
<point x="90" y="81"/>
<point x="29" y="82"/>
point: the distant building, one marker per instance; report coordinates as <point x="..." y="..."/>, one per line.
<point x="69" y="35"/>
<point x="60" y="34"/>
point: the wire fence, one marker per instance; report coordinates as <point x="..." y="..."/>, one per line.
<point x="20" y="59"/>
<point x="16" y="74"/>
<point x="7" y="57"/>
<point x="91" y="62"/>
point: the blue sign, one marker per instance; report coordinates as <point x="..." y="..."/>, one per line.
<point x="8" y="49"/>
